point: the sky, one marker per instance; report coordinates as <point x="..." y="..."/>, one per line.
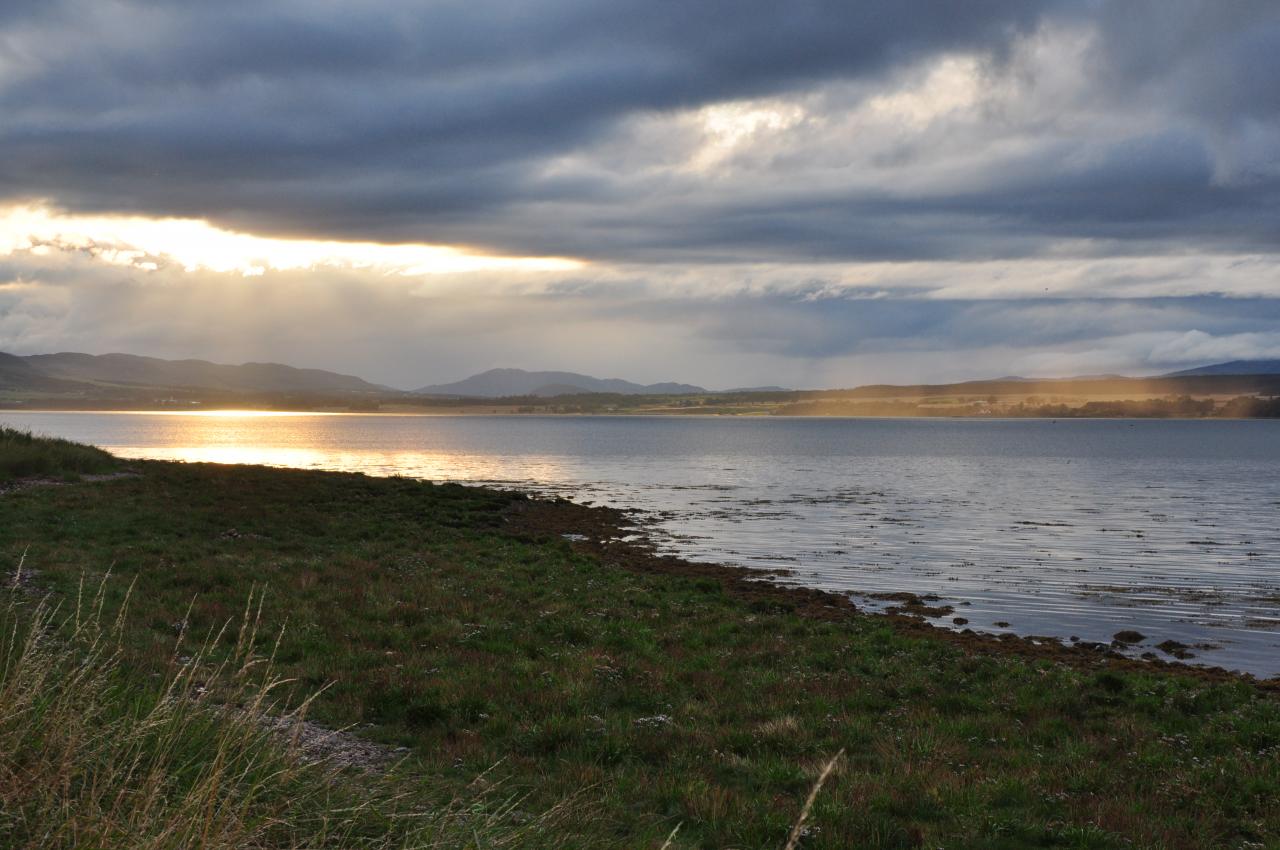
<point x="727" y="193"/>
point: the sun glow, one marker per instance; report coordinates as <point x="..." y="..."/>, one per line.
<point x="235" y="414"/>
<point x="150" y="243"/>
<point x="729" y="127"/>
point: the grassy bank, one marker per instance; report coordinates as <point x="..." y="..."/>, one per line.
<point x="23" y="455"/>
<point x="205" y="757"/>
<point x="443" y="620"/>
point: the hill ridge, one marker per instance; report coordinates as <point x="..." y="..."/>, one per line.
<point x="67" y="368"/>
<point x="498" y="383"/>
<point x="1230" y="367"/>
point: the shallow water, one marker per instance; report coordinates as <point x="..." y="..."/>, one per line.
<point x="1077" y="528"/>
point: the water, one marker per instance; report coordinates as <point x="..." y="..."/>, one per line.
<point x="1068" y="528"/>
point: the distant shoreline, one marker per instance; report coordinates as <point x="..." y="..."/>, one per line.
<point x="633" y="414"/>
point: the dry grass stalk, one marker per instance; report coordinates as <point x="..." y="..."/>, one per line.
<point x="797" y="831"/>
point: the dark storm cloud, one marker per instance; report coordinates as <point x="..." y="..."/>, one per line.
<point x="404" y="121"/>
<point x="1216" y="58"/>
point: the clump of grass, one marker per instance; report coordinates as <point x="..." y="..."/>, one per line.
<point x="91" y="758"/>
<point x="23" y="454"/>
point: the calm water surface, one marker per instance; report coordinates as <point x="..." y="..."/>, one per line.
<point x="1067" y="529"/>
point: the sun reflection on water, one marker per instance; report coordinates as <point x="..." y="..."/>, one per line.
<point x="433" y="466"/>
<point x="308" y="441"/>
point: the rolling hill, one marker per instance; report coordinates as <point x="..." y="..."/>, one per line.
<point x="67" y="371"/>
<point x="19" y="376"/>
<point x="69" y="378"/>
<point x="1233" y="367"/>
<point x="498" y="383"/>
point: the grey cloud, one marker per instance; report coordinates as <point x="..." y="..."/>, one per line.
<point x="835" y="327"/>
<point x="393" y="120"/>
<point x="1218" y="58"/>
<point x="404" y="335"/>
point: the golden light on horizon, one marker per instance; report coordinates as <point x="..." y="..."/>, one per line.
<point x="195" y="244"/>
<point x="236" y="414"/>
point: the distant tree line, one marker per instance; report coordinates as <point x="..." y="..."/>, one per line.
<point x="1182" y="407"/>
<point x="1251" y="407"/>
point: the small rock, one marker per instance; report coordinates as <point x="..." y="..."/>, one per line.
<point x="1128" y="636"/>
<point x="1174" y="648"/>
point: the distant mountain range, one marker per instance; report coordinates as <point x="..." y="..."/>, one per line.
<point x="71" y="376"/>
<point x="1234" y="367"/>
<point x="71" y="372"/>
<point x="497" y="383"/>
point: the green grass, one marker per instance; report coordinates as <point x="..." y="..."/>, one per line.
<point x="23" y="455"/>
<point x="649" y="700"/>
<point x="90" y="758"/>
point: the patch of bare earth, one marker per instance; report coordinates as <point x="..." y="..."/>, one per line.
<point x="336" y="747"/>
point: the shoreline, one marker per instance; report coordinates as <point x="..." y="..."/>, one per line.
<point x="620" y="540"/>
<point x="231" y="412"/>
<point x="909" y="611"/>
<point x="600" y="531"/>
